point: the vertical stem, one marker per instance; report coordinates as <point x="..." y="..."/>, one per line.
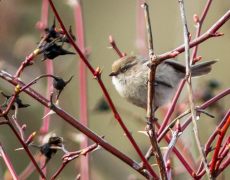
<point x="8" y="163"/>
<point x="189" y="86"/>
<point x="199" y="26"/>
<point x="79" y="27"/>
<point x="150" y="97"/>
<point x="49" y="70"/>
<point x="49" y="67"/>
<point x="140" y="29"/>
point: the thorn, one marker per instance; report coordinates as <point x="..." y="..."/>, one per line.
<point x="143" y="132"/>
<point x="217" y="34"/>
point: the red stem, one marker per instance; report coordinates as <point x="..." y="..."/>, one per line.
<point x="73" y="156"/>
<point x="215" y="133"/>
<point x="24" y="64"/>
<point x="8" y="163"/>
<point x="223" y="166"/>
<point x="223" y="154"/>
<point x="211" y="139"/>
<point x="199" y="24"/>
<point x="172" y="108"/>
<point x="222" y="133"/>
<point x="49" y="67"/>
<point x="179" y="155"/>
<point x="27" y="150"/>
<point x="75" y="123"/>
<point x="97" y="76"/>
<point x="60" y="169"/>
<point x="114" y="46"/>
<point x="79" y="27"/>
<point x="212" y="32"/>
<point x="49" y="70"/>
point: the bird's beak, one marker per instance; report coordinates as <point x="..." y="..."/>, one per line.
<point x="112" y="74"/>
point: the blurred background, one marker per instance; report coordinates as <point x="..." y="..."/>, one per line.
<point x="124" y="21"/>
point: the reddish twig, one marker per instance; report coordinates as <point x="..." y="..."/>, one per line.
<point x="223" y="153"/>
<point x="49" y="69"/>
<point x="223" y="166"/>
<point x="172" y="107"/>
<point x="199" y="23"/>
<point x="211" y="32"/>
<point x="73" y="155"/>
<point x="216" y="132"/>
<point x="179" y="156"/>
<point x="3" y="122"/>
<point x="97" y="75"/>
<point x="26" y="149"/>
<point x="75" y="123"/>
<point x="20" y="129"/>
<point x="222" y="133"/>
<point x="79" y="27"/>
<point x="26" y="62"/>
<point x="114" y="46"/>
<point x="8" y="163"/>
<point x="46" y="121"/>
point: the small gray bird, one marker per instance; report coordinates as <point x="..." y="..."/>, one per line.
<point x="130" y="77"/>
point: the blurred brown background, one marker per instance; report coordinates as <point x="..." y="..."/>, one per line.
<point x="18" y="37"/>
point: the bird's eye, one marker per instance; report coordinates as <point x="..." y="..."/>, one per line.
<point x="124" y="69"/>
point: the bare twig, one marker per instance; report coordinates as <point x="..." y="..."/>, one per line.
<point x="8" y="163"/>
<point x="211" y="32"/>
<point x="20" y="129"/>
<point x="222" y="133"/>
<point x="75" y="123"/>
<point x="26" y="149"/>
<point x="114" y="46"/>
<point x="189" y="85"/>
<point x="172" y="107"/>
<point x="73" y="155"/>
<point x="199" y="24"/>
<point x="150" y="97"/>
<point x="175" y="136"/>
<point x="97" y="75"/>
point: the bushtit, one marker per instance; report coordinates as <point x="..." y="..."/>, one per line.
<point x="130" y="77"/>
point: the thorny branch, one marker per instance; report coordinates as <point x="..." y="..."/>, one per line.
<point x="199" y="23"/>
<point x="97" y="74"/>
<point x="73" y="155"/>
<point x="75" y="123"/>
<point x="212" y="32"/>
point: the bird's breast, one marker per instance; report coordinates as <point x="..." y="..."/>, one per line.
<point x="119" y="85"/>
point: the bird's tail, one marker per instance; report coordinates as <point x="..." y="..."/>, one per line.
<point x="202" y="68"/>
